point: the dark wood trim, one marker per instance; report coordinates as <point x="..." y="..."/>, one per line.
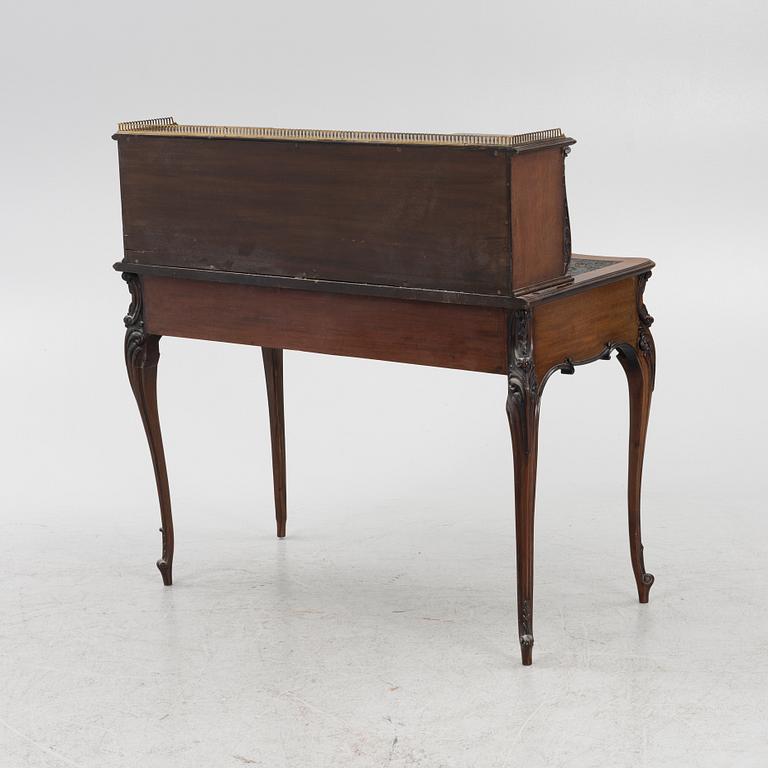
<point x="566" y="217"/>
<point x="325" y="286"/>
<point x="510" y="239"/>
<point x="568" y="366"/>
<point x="615" y="269"/>
<point x="554" y="283"/>
<point x="645" y="342"/>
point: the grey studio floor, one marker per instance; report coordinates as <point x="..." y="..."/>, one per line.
<point x="382" y="631"/>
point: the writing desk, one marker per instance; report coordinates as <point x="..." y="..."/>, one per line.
<point x="438" y="311"/>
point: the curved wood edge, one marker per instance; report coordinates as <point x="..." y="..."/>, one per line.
<point x="615" y="268"/>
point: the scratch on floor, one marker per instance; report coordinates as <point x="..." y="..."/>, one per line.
<point x="246" y="760"/>
<point x="392" y="750"/>
<point x="344" y="723"/>
<point x="527" y="720"/>
<point x="37" y="745"/>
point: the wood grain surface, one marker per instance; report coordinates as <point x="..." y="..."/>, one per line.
<point x="538" y="209"/>
<point x="429" y="217"/>
<point x="475" y="220"/>
<point x="578" y="326"/>
<point x="451" y="336"/>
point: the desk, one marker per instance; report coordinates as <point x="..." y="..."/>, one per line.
<point x="526" y="338"/>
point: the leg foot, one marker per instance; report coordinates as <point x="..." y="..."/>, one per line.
<point x="165" y="571"/>
<point x="526" y="638"/>
<point x="644" y="586"/>
<point x="273" y="371"/>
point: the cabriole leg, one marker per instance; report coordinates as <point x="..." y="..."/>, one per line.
<point x="523" y="415"/>
<point x="639" y="364"/>
<point x="273" y="371"/>
<point x="524" y="448"/>
<point x="638" y="376"/>
<point x="141" y="357"/>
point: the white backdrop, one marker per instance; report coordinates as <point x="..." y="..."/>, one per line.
<point x="667" y="102"/>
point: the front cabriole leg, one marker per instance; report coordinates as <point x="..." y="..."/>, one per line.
<point x="639" y="363"/>
<point x="523" y="415"/>
<point x="141" y="356"/>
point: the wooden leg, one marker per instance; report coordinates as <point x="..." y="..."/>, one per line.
<point x="141" y="357"/>
<point x="523" y="415"/>
<point x="524" y="448"/>
<point x="273" y="370"/>
<point x="639" y="367"/>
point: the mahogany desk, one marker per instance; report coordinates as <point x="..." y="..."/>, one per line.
<point x="450" y="250"/>
<point x="553" y="329"/>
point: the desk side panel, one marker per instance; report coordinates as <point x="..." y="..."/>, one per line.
<point x="425" y="217"/>
<point x="538" y="207"/>
<point x="444" y="335"/>
<point x="579" y="326"/>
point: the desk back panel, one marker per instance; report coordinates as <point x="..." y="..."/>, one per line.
<point x="471" y="219"/>
<point x="446" y="335"/>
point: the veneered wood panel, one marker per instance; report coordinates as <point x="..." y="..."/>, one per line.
<point x="538" y="209"/>
<point x="579" y="326"/>
<point x="428" y="217"/>
<point x="450" y="336"/>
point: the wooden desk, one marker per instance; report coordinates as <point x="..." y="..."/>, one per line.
<point x="525" y="337"/>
